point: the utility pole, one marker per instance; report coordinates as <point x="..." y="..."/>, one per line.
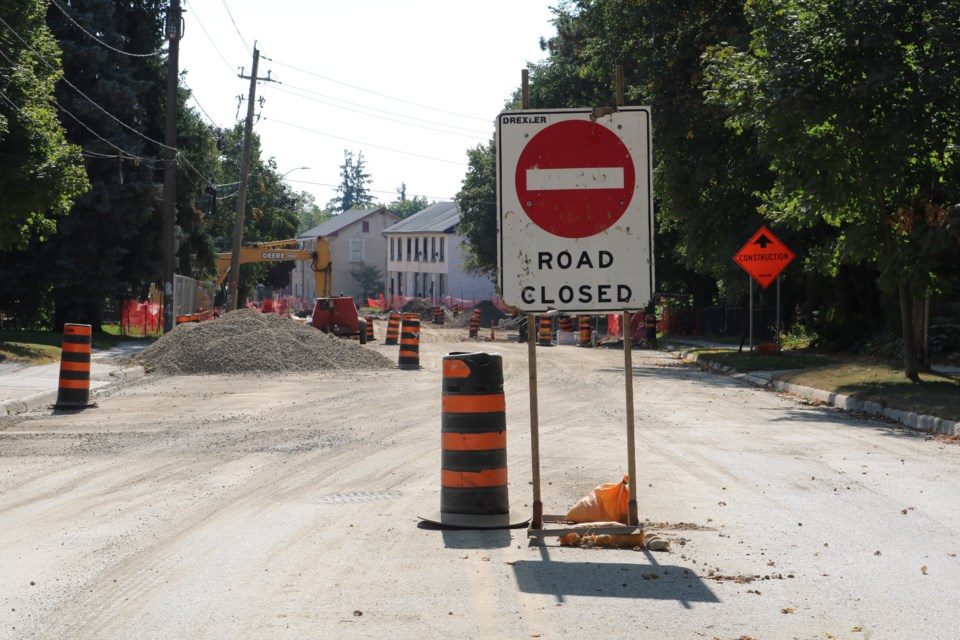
<point x="173" y="31"/>
<point x="233" y="281"/>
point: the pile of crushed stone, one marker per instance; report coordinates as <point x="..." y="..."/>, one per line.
<point x="246" y="341"/>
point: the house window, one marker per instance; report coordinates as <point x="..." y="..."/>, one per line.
<point x="391" y="248"/>
<point x="433" y="249"/>
<point x="416" y="248"/>
<point x="356" y="251"/>
<point x="441" y="249"/>
<point x="416" y="285"/>
<point x="409" y="252"/>
<point x="365" y="226"/>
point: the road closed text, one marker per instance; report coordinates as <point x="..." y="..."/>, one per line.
<point x="581" y="263"/>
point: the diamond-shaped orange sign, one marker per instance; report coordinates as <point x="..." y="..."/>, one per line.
<point x="764" y="257"/>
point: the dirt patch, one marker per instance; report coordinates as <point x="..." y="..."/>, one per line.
<point x="246" y="341"/>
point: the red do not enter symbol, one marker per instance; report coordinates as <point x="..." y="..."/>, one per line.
<point x="575" y="179"/>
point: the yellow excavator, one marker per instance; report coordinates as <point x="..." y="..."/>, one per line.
<point x="282" y="251"/>
<point x="337" y="315"/>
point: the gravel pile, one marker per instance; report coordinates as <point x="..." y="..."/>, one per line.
<point x="418" y="306"/>
<point x="246" y="341"/>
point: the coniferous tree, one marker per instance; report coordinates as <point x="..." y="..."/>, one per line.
<point x="109" y="245"/>
<point x="353" y="192"/>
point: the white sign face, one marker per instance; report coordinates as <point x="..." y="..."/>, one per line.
<point x="575" y="209"/>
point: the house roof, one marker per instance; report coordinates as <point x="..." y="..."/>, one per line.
<point x="440" y="217"/>
<point x="338" y="222"/>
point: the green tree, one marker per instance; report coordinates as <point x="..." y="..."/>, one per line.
<point x="273" y="210"/>
<point x="198" y="163"/>
<point x="477" y="200"/>
<point x="856" y="105"/>
<point x="406" y="207"/>
<point x="369" y="277"/>
<point x="40" y="173"/>
<point x="109" y="245"/>
<point x="353" y="191"/>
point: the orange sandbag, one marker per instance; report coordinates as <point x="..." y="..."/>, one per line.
<point x="609" y="501"/>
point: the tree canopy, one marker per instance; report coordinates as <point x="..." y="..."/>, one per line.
<point x="41" y="174"/>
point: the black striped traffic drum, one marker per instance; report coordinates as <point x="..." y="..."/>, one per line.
<point x="370" y="337"/>
<point x="73" y="391"/>
<point x="393" y="328"/>
<point x="473" y="475"/>
<point x="545" y="333"/>
<point x="409" y="357"/>
<point x="586" y="332"/>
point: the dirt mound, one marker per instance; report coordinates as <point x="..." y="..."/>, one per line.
<point x="245" y="341"/>
<point x="421" y="307"/>
<point x="488" y="313"/>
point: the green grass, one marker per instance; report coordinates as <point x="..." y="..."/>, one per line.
<point x="43" y="347"/>
<point x="747" y="361"/>
<point x="861" y="378"/>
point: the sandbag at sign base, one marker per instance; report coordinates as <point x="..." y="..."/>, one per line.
<point x="609" y="501"/>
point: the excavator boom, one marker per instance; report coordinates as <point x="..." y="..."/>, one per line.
<point x="283" y="251"/>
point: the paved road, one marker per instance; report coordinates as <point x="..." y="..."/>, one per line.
<point x="287" y="507"/>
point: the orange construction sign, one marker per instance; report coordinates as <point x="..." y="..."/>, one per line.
<point x="764" y="257"/>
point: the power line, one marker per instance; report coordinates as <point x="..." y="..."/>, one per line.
<point x="376" y="146"/>
<point x="74" y="87"/>
<point x="242" y="39"/>
<point x="123" y="152"/>
<point x="193" y="96"/>
<point x="362" y="106"/>
<point x="212" y="42"/>
<point x="334" y="186"/>
<point x="382" y="95"/>
<point x="99" y="41"/>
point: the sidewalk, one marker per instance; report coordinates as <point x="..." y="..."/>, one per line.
<point x="769" y="380"/>
<point x="28" y="388"/>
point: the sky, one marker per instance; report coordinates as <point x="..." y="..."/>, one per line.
<point x="410" y="84"/>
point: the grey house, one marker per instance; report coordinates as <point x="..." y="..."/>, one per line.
<point x="355" y="239"/>
<point x="425" y="258"/>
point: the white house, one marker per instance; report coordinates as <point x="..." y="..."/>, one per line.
<point x="355" y="239"/>
<point x="425" y="257"/>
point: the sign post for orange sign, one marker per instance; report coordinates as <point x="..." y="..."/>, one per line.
<point x="764" y="257"/>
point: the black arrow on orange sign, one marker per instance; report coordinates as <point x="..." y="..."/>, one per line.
<point x="763" y="241"/>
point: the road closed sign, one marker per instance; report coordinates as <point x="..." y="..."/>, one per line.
<point x="574" y="207"/>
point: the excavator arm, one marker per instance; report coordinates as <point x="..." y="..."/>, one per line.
<point x="283" y="251"/>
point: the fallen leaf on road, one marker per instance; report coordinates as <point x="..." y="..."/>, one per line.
<point x="787" y="610"/>
<point x="923" y="569"/>
<point x="857" y="629"/>
<point x="357" y="612"/>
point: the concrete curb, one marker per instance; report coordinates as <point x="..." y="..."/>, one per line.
<point x="909" y="419"/>
<point x="45" y="398"/>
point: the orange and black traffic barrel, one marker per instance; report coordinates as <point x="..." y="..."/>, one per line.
<point x="409" y="342"/>
<point x="393" y="328"/>
<point x="474" y="325"/>
<point x="473" y="474"/>
<point x="369" y="320"/>
<point x="74" y="387"/>
<point x="545" y="333"/>
<point x="586" y="332"/>
<point x="565" y="322"/>
<point x="650" y="327"/>
<point x="438" y="315"/>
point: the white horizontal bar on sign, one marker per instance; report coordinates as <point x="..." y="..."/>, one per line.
<point x="587" y="178"/>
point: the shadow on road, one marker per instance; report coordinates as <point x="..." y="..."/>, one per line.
<point x="470" y="538"/>
<point x="653" y="581"/>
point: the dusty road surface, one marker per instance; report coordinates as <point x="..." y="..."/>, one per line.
<point x="286" y="506"/>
